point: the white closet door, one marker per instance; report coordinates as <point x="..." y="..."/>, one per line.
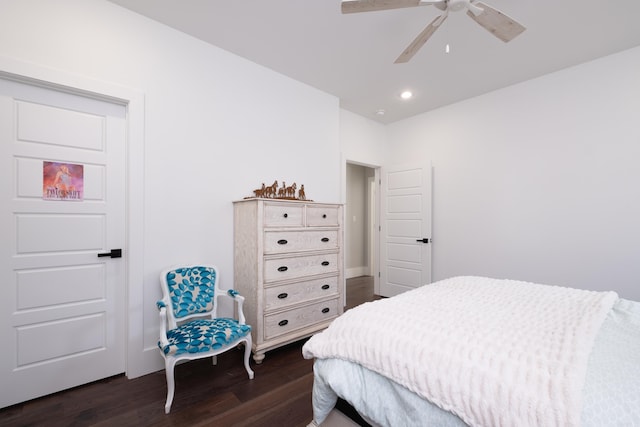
<point x="406" y="228"/>
<point x="62" y="311"/>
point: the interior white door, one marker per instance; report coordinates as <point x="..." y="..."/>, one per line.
<point x="406" y="228"/>
<point x="62" y="311"/>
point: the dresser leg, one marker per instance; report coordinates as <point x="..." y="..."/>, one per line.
<point x="258" y="357"/>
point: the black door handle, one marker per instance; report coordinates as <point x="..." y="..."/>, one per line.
<point x="425" y="240"/>
<point x="115" y="253"/>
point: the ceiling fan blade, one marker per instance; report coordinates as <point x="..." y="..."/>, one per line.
<point x="354" y="6"/>
<point x="419" y="41"/>
<point x="497" y="23"/>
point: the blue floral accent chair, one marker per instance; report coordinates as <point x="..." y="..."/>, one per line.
<point x="189" y="326"/>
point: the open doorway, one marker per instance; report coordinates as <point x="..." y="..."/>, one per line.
<point x="361" y="227"/>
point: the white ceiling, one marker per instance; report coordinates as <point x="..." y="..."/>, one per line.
<point x="351" y="56"/>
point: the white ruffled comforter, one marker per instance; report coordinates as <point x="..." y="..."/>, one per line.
<point x="493" y="352"/>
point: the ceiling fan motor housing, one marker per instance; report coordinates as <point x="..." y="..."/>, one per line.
<point x="457" y="5"/>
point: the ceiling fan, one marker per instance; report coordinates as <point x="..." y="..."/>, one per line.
<point x="494" y="21"/>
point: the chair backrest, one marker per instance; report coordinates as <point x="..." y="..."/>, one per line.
<point x="190" y="291"/>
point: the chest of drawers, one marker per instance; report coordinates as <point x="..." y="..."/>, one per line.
<point x="288" y="264"/>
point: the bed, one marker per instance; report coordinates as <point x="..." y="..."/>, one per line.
<point x="483" y="352"/>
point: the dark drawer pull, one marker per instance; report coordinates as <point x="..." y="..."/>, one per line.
<point x="325" y="263"/>
<point x="283" y="322"/>
<point x="283" y="268"/>
<point x="283" y="295"/>
<point x="325" y="239"/>
<point x="324" y="215"/>
<point x="325" y="287"/>
<point x="325" y="310"/>
<point x="282" y="242"/>
<point x="286" y="215"/>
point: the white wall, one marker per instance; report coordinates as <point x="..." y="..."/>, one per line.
<point x="362" y="140"/>
<point x="216" y="126"/>
<point x="539" y="181"/>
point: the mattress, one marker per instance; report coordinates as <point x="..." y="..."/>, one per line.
<point x="611" y="392"/>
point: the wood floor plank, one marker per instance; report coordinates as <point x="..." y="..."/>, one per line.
<point x="282" y="403"/>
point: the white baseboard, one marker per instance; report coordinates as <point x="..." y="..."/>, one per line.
<point x="356" y="272"/>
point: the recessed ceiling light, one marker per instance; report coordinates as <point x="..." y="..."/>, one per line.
<point x="380" y="112"/>
<point x="407" y="94"/>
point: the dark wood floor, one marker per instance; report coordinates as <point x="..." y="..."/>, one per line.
<point x="206" y="395"/>
<point x="359" y="290"/>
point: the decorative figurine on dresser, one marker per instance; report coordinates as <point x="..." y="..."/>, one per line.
<point x="288" y="255"/>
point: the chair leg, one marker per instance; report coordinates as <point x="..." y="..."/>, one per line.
<point x="169" y="365"/>
<point x="247" y="353"/>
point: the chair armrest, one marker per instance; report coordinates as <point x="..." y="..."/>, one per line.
<point x="162" y="308"/>
<point x="239" y="299"/>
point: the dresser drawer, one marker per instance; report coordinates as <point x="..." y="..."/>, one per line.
<point x="282" y="296"/>
<point x="294" y="241"/>
<point x="322" y="215"/>
<point x="283" y="215"/>
<point x="281" y="323"/>
<point x="299" y="266"/>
